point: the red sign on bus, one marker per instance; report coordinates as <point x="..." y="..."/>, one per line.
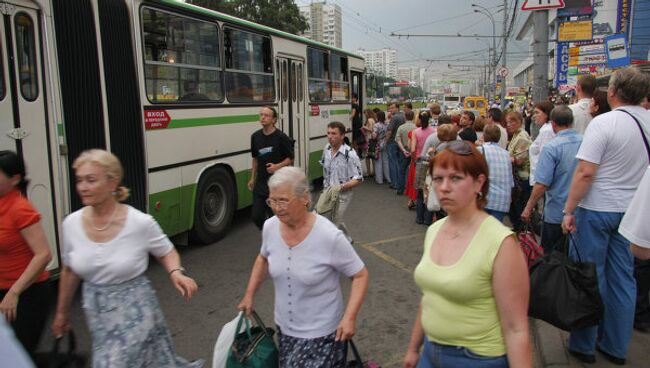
<point x="156" y="119"/>
<point x="315" y="110"/>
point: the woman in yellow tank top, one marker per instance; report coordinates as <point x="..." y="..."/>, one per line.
<point x="473" y="276"/>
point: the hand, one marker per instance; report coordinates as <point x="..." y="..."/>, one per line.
<point x="60" y="325"/>
<point x="525" y="215"/>
<point x="271" y="168"/>
<point x="185" y="285"/>
<point x="8" y="306"/>
<point x="411" y="359"/>
<point x="246" y="305"/>
<point x="569" y="224"/>
<point x="251" y="184"/>
<point x="345" y="330"/>
<point x="407" y="154"/>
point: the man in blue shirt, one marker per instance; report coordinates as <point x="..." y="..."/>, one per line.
<point x="555" y="168"/>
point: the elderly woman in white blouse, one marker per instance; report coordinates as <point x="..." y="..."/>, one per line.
<point x="107" y="245"/>
<point x="304" y="253"/>
<point x="542" y="118"/>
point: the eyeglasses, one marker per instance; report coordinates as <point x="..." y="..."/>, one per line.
<point x="278" y="203"/>
<point x="460" y="148"/>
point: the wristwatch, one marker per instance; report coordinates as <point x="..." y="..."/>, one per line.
<point x="181" y="269"/>
<point x="567" y="213"/>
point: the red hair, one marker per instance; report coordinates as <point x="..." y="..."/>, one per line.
<point x="473" y="165"/>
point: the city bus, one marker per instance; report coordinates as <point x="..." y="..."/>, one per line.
<point x="174" y="90"/>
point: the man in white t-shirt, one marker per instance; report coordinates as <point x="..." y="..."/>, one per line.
<point x="585" y="91"/>
<point x="611" y="163"/>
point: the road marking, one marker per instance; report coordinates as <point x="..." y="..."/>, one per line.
<point x="371" y="247"/>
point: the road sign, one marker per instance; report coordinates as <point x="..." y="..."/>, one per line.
<point x="617" y="53"/>
<point x="502" y="72"/>
<point x="542" y="4"/>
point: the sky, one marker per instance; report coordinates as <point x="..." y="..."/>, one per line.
<point x="368" y="24"/>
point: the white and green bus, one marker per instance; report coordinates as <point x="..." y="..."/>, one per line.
<point x="173" y="90"/>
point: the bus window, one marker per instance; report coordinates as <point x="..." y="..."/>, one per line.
<point x="26" y="56"/>
<point x="301" y="87"/>
<point x="340" y="83"/>
<point x="2" y="75"/>
<point x="181" y="58"/>
<point x="249" y="67"/>
<point x="293" y="82"/>
<point x="318" y="75"/>
<point x="469" y="104"/>
<point x="285" y="81"/>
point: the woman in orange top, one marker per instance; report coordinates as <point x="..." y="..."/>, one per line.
<point x="24" y="253"/>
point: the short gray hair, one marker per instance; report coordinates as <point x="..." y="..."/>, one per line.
<point x="630" y="85"/>
<point x="562" y="115"/>
<point x="290" y="176"/>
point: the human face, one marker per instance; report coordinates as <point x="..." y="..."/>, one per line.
<point x="512" y="125"/>
<point x="93" y="185"/>
<point x="464" y="121"/>
<point x="540" y="117"/>
<point x="455" y="189"/>
<point x="286" y="206"/>
<point x="266" y="117"/>
<point x="393" y="109"/>
<point x="334" y="137"/>
<point x="593" y="107"/>
<point x="8" y="183"/>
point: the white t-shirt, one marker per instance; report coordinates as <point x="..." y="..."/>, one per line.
<point x="581" y="114"/>
<point x="545" y="135"/>
<point x="613" y="142"/>
<point x="121" y="259"/>
<point x="634" y="226"/>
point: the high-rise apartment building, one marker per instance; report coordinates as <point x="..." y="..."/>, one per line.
<point x="382" y="62"/>
<point x="325" y="24"/>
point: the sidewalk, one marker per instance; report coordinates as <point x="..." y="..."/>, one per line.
<point x="550" y="349"/>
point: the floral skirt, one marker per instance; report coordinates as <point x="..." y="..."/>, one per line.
<point x="320" y="352"/>
<point x="128" y="328"/>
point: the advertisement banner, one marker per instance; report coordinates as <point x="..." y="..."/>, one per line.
<point x="562" y="66"/>
<point x="640" y="33"/>
<point x="576" y="31"/>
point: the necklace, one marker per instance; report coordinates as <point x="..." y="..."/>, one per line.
<point x="110" y="221"/>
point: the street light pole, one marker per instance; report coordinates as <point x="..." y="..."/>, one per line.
<point x="504" y="51"/>
<point x="483" y="10"/>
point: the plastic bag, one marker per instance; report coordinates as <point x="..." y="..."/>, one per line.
<point x="224" y="341"/>
<point x="432" y="199"/>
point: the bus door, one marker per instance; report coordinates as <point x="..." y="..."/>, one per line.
<point x="357" y="87"/>
<point x="292" y="119"/>
<point x="23" y="113"/>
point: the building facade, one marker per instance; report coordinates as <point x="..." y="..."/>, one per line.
<point x="382" y="62"/>
<point x="325" y="23"/>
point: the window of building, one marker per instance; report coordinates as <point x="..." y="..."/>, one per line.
<point x="182" y="61"/>
<point x="249" y="66"/>
<point x="340" y="82"/>
<point x="318" y="70"/>
<point x="26" y="56"/>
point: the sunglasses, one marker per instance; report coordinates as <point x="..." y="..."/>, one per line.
<point x="460" y="148"/>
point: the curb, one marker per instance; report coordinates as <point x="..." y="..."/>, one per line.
<point x="550" y="345"/>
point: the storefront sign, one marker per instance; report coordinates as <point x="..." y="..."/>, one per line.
<point x="562" y="65"/>
<point x="576" y="31"/>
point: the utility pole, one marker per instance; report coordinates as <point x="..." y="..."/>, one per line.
<point x="503" y="52"/>
<point x="540" y="61"/>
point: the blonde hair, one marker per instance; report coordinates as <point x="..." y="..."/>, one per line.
<point x="111" y="165"/>
<point x="447" y="133"/>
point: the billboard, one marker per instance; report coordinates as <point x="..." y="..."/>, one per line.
<point x="575" y="31"/>
<point x="640" y="33"/>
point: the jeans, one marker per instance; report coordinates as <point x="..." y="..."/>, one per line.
<point x="402" y="172"/>
<point x="260" y="211"/>
<point x="551" y="235"/>
<point x="31" y="314"/>
<point x="599" y="242"/>
<point x="393" y="162"/>
<point x="446" y="356"/>
<point x="381" y="167"/>
<point x="422" y="213"/>
<point x="519" y="200"/>
<point x="496" y="214"/>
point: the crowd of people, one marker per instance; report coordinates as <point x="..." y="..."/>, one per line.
<point x="472" y="275"/>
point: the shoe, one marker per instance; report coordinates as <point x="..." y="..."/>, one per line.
<point x="419" y="222"/>
<point x="411" y="205"/>
<point x="643" y="327"/>
<point x="611" y="358"/>
<point x="585" y="358"/>
<point x="399" y="193"/>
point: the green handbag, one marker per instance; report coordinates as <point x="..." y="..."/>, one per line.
<point x="254" y="347"/>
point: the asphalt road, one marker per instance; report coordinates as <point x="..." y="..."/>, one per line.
<point x="385" y="236"/>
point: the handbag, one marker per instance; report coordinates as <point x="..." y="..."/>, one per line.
<point x="356" y="362"/>
<point x="530" y="246"/>
<point x="421" y="171"/>
<point x="254" y="347"/>
<point x="58" y="359"/>
<point x="372" y="147"/>
<point x="564" y="292"/>
<point x="433" y="204"/>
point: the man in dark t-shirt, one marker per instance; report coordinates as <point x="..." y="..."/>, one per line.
<point x="271" y="149"/>
<point x="358" y="138"/>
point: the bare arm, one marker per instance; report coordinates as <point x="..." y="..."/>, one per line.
<point x="582" y="180"/>
<point x="68" y="283"/>
<point x="640" y="252"/>
<point x="272" y="168"/>
<point x="186" y="286"/>
<point x="251" y="181"/>
<point x="414" y="143"/>
<point x="347" y="326"/>
<point x="417" y="338"/>
<point x="511" y="290"/>
<point x="258" y="275"/>
<point x="537" y="193"/>
<point x="37" y="242"/>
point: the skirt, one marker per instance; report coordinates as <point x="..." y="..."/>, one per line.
<point x="320" y="352"/>
<point x="128" y="328"/>
<point x="409" y="190"/>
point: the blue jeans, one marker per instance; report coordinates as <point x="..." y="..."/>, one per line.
<point x="393" y="163"/>
<point x="496" y="214"/>
<point x="422" y="213"/>
<point x="402" y="173"/>
<point x="599" y="242"/>
<point x="446" y="356"/>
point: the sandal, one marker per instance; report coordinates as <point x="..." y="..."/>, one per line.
<point x="411" y="205"/>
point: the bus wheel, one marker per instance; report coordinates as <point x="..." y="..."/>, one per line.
<point x="214" y="207"/>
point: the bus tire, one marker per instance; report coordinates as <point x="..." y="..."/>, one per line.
<point x="214" y="207"/>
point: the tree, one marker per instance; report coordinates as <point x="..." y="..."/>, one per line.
<point x="279" y="14"/>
